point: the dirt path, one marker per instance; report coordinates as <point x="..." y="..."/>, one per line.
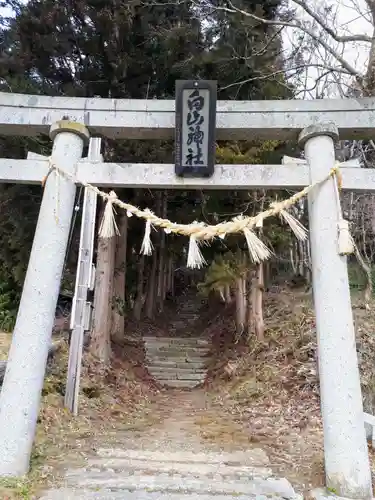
<point x="189" y="448"/>
<point x="184" y="418"/>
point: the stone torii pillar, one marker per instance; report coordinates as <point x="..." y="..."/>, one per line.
<point x="23" y="381"/>
<point x="345" y="449"/>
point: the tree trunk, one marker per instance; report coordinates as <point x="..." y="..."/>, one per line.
<point x="161" y="271"/>
<point x="173" y="281"/>
<point x="118" y="305"/>
<point x="100" y="345"/>
<point x="252" y="297"/>
<point x="170" y="276"/>
<point x="367" y="270"/>
<point x="308" y="268"/>
<point x="139" y="299"/>
<point x="165" y="280"/>
<point x="266" y="273"/>
<point x="240" y="306"/>
<point x="258" y="289"/>
<point x="293" y="254"/>
<point x="227" y="294"/>
<point x="258" y="306"/>
<point x="152" y="281"/>
<point x="369" y="86"/>
<point x="151" y="293"/>
<point x="301" y="258"/>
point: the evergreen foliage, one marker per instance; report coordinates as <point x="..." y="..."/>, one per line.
<point x="223" y="271"/>
<point x="128" y="49"/>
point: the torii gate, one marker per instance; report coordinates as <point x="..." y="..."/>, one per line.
<point x="316" y="124"/>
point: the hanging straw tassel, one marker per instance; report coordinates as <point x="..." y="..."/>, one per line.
<point x="195" y="258"/>
<point x="299" y="230"/>
<point x="147" y="246"/>
<point x="257" y="249"/>
<point x="345" y="240"/>
<point x="259" y="223"/>
<point x="108" y="227"/>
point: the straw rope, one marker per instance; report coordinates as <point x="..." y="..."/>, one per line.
<point x="200" y="231"/>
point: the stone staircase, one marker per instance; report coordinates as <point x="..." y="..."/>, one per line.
<point x="180" y="475"/>
<point x="187" y="314"/>
<point x="177" y="361"/>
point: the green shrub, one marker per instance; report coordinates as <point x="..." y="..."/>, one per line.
<point x="9" y="300"/>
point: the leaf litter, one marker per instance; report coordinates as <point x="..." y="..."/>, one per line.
<point x="261" y="395"/>
<point x="271" y="389"/>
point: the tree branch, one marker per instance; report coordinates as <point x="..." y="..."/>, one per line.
<point x="349" y="68"/>
<point x="283" y="71"/>
<point x="330" y="31"/>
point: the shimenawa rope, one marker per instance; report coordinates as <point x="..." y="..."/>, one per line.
<point x="198" y="232"/>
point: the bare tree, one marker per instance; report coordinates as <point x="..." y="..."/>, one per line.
<point x="329" y="51"/>
<point x="328" y="46"/>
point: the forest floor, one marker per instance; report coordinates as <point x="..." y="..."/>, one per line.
<point x="263" y="395"/>
<point x="5" y="340"/>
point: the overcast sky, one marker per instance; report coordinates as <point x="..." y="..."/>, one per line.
<point x="350" y="16"/>
<point x="346" y="17"/>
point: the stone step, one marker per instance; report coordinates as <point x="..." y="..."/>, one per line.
<point x="254" y="457"/>
<point x="186" y="368"/>
<point x="175" y="359"/>
<point x="177" y="340"/>
<point x="199" y="377"/>
<point x="175" y="349"/>
<point x="187" y="312"/>
<point x="180" y="384"/>
<point x="188" y="354"/>
<point x="190" y="302"/>
<point x="188" y="309"/>
<point x="170" y="363"/>
<point x="183" y="324"/>
<point x="177" y="376"/>
<point x="185" y="484"/>
<point x="153" y="346"/>
<point x="195" y="469"/>
<point x="106" y="494"/>
<point x="174" y="370"/>
<point x="180" y="365"/>
<point x="191" y="318"/>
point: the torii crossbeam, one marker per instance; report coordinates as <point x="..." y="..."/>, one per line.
<point x="346" y="455"/>
<point x="30" y="115"/>
<point x="161" y="176"/>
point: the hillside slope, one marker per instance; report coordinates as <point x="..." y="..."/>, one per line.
<point x="256" y="396"/>
<point x="272" y="388"/>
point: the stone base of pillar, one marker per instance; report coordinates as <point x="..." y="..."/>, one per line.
<point x="324" y="494"/>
